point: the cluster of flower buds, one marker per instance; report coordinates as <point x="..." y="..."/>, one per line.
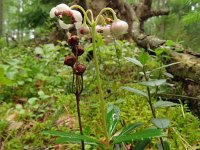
<point x="72" y="59"/>
<point x="67" y="17"/>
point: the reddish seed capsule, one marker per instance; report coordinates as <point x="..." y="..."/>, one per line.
<point x="79" y="69"/>
<point x="78" y="50"/>
<point x="73" y="40"/>
<point x="70" y="60"/>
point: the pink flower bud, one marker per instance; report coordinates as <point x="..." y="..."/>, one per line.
<point x="84" y="29"/>
<point x="119" y="27"/>
<point x="99" y="29"/>
<point x="106" y="30"/>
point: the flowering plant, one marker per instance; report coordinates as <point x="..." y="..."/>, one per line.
<point x="67" y="18"/>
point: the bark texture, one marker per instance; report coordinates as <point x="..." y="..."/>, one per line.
<point x="188" y="71"/>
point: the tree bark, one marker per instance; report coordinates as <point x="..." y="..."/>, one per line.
<point x="1" y="18"/>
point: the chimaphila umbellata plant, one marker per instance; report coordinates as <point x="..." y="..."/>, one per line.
<point x="67" y="18"/>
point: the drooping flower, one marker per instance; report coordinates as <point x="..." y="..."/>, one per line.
<point x="84" y="29"/>
<point x="99" y="29"/>
<point x="62" y="7"/>
<point x="106" y="30"/>
<point x="67" y="16"/>
<point x="119" y="27"/>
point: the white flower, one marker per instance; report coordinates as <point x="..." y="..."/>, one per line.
<point x="62" y="7"/>
<point x="52" y="12"/>
<point x="78" y="18"/>
<point x="63" y="25"/>
<point x="119" y="27"/>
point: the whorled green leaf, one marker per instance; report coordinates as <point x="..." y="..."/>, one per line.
<point x="148" y="133"/>
<point x="141" y="93"/>
<point x="129" y="128"/>
<point x="112" y="117"/>
<point x="135" y="61"/>
<point x="142" y="144"/>
<point x="72" y="137"/>
<point x="161" y="123"/>
<point x="153" y="82"/>
<point x="162" y="104"/>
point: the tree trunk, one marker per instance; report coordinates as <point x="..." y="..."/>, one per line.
<point x="1" y="18"/>
<point x="188" y="71"/>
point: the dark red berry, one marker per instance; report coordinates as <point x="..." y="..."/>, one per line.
<point x="79" y="69"/>
<point x="78" y="50"/>
<point x="73" y="40"/>
<point x="70" y="60"/>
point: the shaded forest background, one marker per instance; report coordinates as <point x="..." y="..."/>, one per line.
<point x="22" y="20"/>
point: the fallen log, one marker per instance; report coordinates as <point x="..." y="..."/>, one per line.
<point x="187" y="72"/>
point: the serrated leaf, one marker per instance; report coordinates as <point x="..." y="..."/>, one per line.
<point x="148" y="133"/>
<point x="162" y="104"/>
<point x="135" y="91"/>
<point x="135" y="61"/>
<point x="129" y="128"/>
<point x="161" y="123"/>
<point x="143" y="58"/>
<point x="112" y="117"/>
<point x="154" y="82"/>
<point x="72" y="137"/>
<point x="142" y="144"/>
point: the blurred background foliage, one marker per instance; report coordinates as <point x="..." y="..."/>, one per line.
<point x="25" y="19"/>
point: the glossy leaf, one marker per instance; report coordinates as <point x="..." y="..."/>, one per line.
<point x="129" y="128"/>
<point x="112" y="118"/>
<point x="72" y="137"/>
<point x="135" y="61"/>
<point x="148" y="133"/>
<point x="163" y="104"/>
<point x="154" y="82"/>
<point x="142" y="144"/>
<point x="135" y="91"/>
<point x="161" y="123"/>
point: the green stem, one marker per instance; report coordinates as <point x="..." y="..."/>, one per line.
<point x="101" y="98"/>
<point x="106" y="9"/>
<point x="150" y="103"/>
